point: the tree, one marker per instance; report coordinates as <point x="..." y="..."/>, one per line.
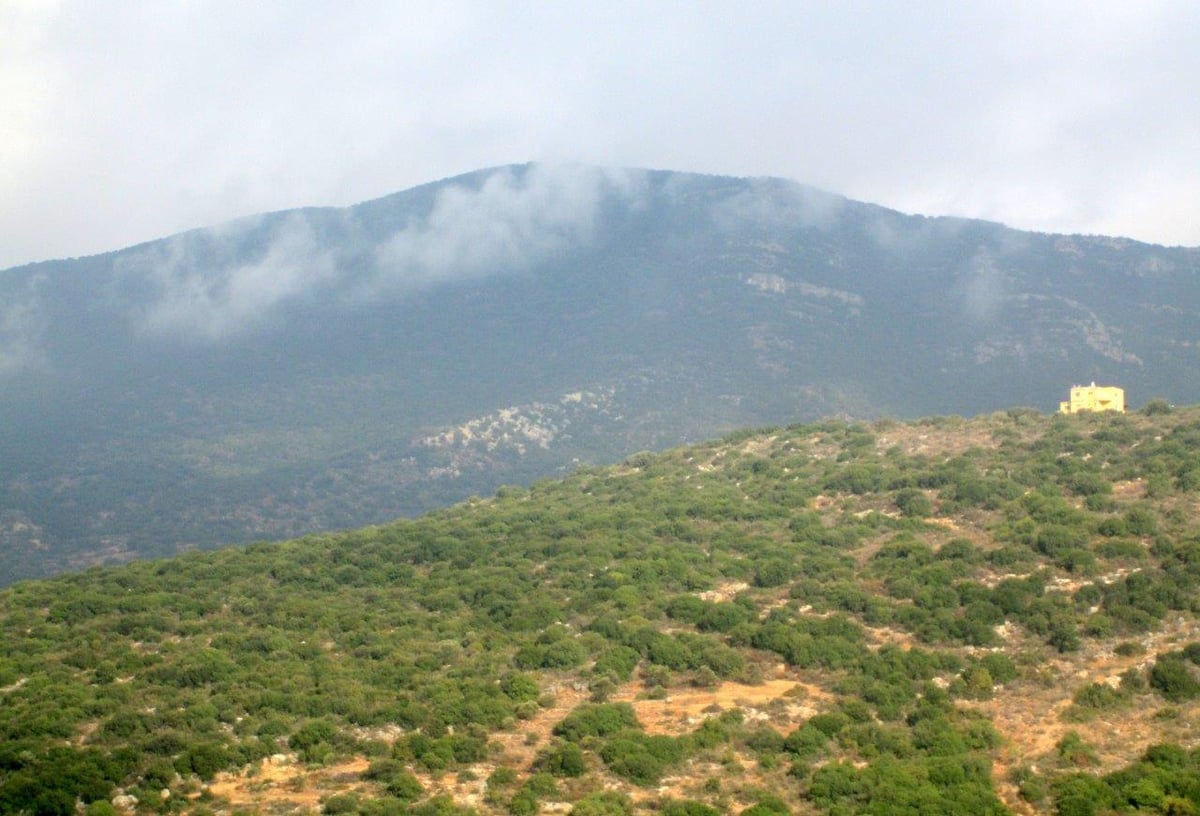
<point x="561" y="759"/>
<point x="596" y="720"/>
<point x="604" y="803"/>
<point x="1171" y="677"/>
<point x="913" y="503"/>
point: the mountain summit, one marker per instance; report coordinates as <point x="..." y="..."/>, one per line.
<point x="323" y="368"/>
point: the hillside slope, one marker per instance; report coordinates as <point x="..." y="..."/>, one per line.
<point x="944" y="616"/>
<point x="322" y="368"/>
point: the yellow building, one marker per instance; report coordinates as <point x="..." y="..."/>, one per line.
<point x="1094" y="398"/>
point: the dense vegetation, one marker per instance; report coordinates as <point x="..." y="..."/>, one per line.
<point x="912" y="578"/>
<point x="165" y="397"/>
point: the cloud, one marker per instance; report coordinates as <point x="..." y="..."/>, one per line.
<point x="513" y="221"/>
<point x="195" y="300"/>
<point x="126" y="122"/>
<point x="778" y="204"/>
<point x="208" y="285"/>
<point x="22" y="324"/>
<point x="983" y="290"/>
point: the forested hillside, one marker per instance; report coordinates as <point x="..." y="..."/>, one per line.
<point x="944" y="616"/>
<point x="324" y="369"/>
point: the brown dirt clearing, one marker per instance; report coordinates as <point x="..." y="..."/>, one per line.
<point x="282" y="783"/>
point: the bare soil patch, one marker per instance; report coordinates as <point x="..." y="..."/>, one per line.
<point x="928" y="440"/>
<point x="1028" y="713"/>
<point x="724" y="592"/>
<point x="282" y="784"/>
<point x="683" y="710"/>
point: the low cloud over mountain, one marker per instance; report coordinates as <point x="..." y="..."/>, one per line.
<point x="284" y="373"/>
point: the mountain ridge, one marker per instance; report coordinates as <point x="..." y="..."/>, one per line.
<point x="276" y="375"/>
<point x="483" y="172"/>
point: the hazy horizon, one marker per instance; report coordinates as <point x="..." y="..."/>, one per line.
<point x="127" y="123"/>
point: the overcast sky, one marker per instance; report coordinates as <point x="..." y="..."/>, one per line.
<point x="126" y="121"/>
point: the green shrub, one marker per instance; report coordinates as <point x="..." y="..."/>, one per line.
<point x="1166" y="755"/>
<point x="440" y="806"/>
<point x="1074" y="751"/>
<point x="205" y="760"/>
<point x="1000" y="666"/>
<point x="596" y="720"/>
<point x="561" y="759"/>
<point x="404" y="786"/>
<point x="1140" y="522"/>
<point x="809" y="740"/>
<point x="640" y="758"/>
<point x="1093" y="699"/>
<point x="520" y="687"/>
<point x="958" y="549"/>
<point x="542" y="784"/>
<point x="562" y="654"/>
<point x="1081" y="795"/>
<point x="604" y="803"/>
<point x="976" y="683"/>
<point x="1171" y="677"/>
<point x="618" y="661"/>
<point x="1129" y="648"/>
<point x="764" y="740"/>
<point x="913" y="503"/>
<point x="688" y="807"/>
<point x="313" y="740"/>
<point x="340" y="803"/>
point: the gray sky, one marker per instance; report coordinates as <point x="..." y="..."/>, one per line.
<point x="125" y="121"/>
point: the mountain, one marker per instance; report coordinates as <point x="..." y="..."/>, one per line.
<point x="947" y="616"/>
<point x="327" y="368"/>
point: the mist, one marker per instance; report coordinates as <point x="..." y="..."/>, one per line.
<point x="510" y="224"/>
<point x="21" y="327"/>
<point x="773" y="204"/>
<point x="983" y="288"/>
<point x="199" y="302"/>
<point x="197" y="287"/>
